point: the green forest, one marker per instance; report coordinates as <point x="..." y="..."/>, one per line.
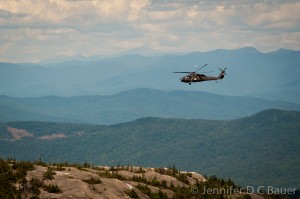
<point x="262" y="149"/>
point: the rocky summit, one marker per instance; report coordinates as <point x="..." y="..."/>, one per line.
<point x="20" y="179"/>
<point x="109" y="182"/>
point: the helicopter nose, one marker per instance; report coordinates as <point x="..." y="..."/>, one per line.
<point x="184" y="80"/>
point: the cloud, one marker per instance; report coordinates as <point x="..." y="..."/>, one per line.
<point x="277" y="14"/>
<point x="37" y="30"/>
<point x="5" y="14"/>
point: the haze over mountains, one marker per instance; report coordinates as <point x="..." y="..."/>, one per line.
<point x="130" y="105"/>
<point x="274" y="75"/>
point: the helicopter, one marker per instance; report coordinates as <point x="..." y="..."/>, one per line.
<point x="193" y="77"/>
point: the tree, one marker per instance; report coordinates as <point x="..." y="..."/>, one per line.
<point x="49" y="174"/>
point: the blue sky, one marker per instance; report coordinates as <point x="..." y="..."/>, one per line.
<point x="37" y="30"/>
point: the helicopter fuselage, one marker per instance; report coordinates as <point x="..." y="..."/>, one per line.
<point x="196" y="77"/>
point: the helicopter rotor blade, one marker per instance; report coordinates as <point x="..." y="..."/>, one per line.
<point x="191" y="72"/>
<point x="201" y="68"/>
<point x="208" y="71"/>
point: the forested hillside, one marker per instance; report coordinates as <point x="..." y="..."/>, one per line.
<point x="262" y="149"/>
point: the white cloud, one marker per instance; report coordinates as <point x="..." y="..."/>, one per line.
<point x="37" y="30"/>
<point x="192" y="12"/>
<point x="286" y="12"/>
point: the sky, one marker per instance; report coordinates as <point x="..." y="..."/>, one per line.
<point x="38" y="30"/>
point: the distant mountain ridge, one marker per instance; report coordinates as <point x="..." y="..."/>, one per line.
<point x="133" y="104"/>
<point x="250" y="72"/>
<point x="262" y="149"/>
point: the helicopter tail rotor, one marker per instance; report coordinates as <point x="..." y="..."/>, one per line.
<point x="223" y="73"/>
<point x="223" y="70"/>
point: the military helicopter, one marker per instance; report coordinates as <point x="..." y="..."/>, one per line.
<point x="196" y="77"/>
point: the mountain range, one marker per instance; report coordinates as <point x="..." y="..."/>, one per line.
<point x="273" y="75"/>
<point x="133" y="110"/>
<point x="130" y="105"/>
<point x="262" y="149"/>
